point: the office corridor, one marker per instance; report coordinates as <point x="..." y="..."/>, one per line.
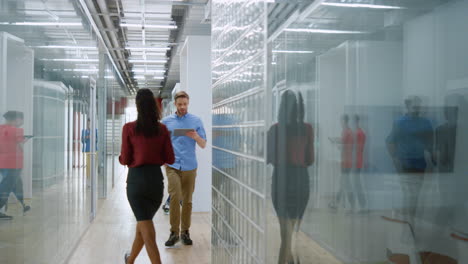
<point x="321" y="131"/>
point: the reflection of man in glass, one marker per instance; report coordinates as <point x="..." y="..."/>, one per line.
<point x="11" y="159"/>
<point x="410" y="138"/>
<point x="291" y="151"/>
<point x="86" y="140"/>
<point x="346" y="144"/>
<point x="226" y="136"/>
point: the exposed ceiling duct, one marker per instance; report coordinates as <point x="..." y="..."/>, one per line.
<point x="111" y="35"/>
<point x="193" y="22"/>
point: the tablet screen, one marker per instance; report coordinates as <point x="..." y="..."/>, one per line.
<point x="181" y="132"/>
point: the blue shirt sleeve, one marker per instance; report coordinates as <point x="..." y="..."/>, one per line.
<point x="201" y="130"/>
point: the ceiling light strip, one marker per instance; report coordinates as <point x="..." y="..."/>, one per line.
<point x="56" y="24"/>
<point x="293" y="51"/>
<point x="359" y="5"/>
<point x="65" y="47"/>
<point x="148" y="48"/>
<point x="72" y="60"/>
<point x="323" y="31"/>
<point x="148" y="26"/>
<point x="147" y="61"/>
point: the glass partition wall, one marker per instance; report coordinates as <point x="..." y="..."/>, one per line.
<point x="339" y="131"/>
<point x="49" y="59"/>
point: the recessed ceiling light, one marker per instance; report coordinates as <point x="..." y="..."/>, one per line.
<point x="73" y="60"/>
<point x="65" y="47"/>
<point x="147" y="61"/>
<point x="148" y="26"/>
<point x="359" y="5"/>
<point x="148" y="48"/>
<point x="69" y="24"/>
<point x="293" y="51"/>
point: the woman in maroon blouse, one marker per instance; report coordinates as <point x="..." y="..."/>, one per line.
<point x="146" y="146"/>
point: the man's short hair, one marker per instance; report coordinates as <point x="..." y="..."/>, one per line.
<point x="181" y="94"/>
<point x="13" y="115"/>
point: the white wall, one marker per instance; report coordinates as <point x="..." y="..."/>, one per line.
<point x="195" y="73"/>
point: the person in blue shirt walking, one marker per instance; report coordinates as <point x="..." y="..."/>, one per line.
<point x="86" y="141"/>
<point x="411" y="137"/>
<point x="182" y="173"/>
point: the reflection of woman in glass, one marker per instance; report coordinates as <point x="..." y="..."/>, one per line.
<point x="291" y="151"/>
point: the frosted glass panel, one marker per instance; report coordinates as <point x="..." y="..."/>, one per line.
<point x="339" y="131"/>
<point x="45" y="73"/>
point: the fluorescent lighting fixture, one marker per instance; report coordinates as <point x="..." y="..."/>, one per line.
<point x="73" y="60"/>
<point x="66" y="47"/>
<point x="85" y="77"/>
<point x="109" y="77"/>
<point x="161" y="15"/>
<point x="85" y="70"/>
<point x="156" y="54"/>
<point x="140" y="77"/>
<point x="148" y="26"/>
<point x="76" y="70"/>
<point x="57" y="24"/>
<point x="294" y="51"/>
<point x="323" y="31"/>
<point x="148" y="48"/>
<point x="358" y="5"/>
<point x="148" y="71"/>
<point x="147" y="61"/>
<point x="159" y="78"/>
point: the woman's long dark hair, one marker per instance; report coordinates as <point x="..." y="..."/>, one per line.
<point x="148" y="113"/>
<point x="291" y="114"/>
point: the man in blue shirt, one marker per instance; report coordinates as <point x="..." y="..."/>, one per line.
<point x="181" y="175"/>
<point x="411" y="136"/>
<point x="86" y="141"/>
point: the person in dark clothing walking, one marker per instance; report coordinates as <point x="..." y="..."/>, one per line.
<point x="291" y="151"/>
<point x="146" y="146"/>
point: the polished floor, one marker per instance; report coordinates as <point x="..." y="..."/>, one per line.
<point x="59" y="221"/>
<point x="57" y="218"/>
<point x="111" y="235"/>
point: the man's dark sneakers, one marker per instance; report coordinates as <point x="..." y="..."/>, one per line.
<point x="5" y="217"/>
<point x="166" y="208"/>
<point x="173" y="239"/>
<point x="185" y="236"/>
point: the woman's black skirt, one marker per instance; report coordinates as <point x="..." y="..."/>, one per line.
<point x="145" y="187"/>
<point x="290" y="191"/>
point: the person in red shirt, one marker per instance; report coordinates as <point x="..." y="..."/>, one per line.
<point x="346" y="144"/>
<point x="11" y="159"/>
<point x="146" y="146"/>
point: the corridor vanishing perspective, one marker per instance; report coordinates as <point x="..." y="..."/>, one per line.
<point x="335" y="130"/>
